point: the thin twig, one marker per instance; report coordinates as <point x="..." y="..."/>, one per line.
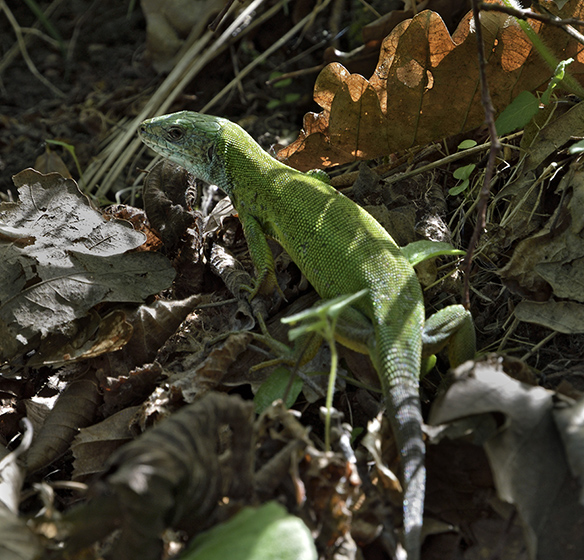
<point x="493" y="152"/>
<point x="443" y="162"/>
<point x="566" y="24"/>
<point x="528" y="14"/>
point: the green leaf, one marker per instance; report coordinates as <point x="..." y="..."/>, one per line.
<point x="466" y="144"/>
<point x="274" y="387"/>
<point x="281" y="83"/>
<point x="273" y="104"/>
<point x="454" y="191"/>
<point x="419" y="251"/>
<point x="517" y="114"/>
<point x="291" y="97"/>
<point x="464" y="172"/>
<point x="265" y="533"/>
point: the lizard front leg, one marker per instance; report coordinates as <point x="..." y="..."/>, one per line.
<point x="262" y="258"/>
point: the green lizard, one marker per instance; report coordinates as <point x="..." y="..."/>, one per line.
<point x="341" y="249"/>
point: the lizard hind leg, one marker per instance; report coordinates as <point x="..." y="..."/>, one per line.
<point x="451" y="326"/>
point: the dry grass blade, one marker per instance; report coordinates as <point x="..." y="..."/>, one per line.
<point x="125" y="144"/>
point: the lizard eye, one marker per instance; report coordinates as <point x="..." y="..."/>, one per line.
<point x="175" y="133"/>
<point x="211" y="152"/>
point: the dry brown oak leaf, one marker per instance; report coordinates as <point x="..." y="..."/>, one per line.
<point x="426" y="86"/>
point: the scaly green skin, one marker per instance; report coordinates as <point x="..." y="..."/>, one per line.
<point x="339" y="247"/>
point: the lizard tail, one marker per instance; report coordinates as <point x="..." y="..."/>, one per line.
<point x="399" y="376"/>
<point x="406" y="422"/>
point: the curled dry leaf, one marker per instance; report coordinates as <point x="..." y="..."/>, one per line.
<point x="169" y="194"/>
<point x="210" y="373"/>
<point x="236" y="279"/>
<point x="165" y="202"/>
<point x="75" y="408"/>
<point x="124" y="390"/>
<point x="171" y="473"/>
<point x="96" y="335"/>
<point x="425" y="87"/>
<point x="152" y="326"/>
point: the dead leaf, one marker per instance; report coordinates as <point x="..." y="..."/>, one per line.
<point x="95" y="336"/>
<point x="152" y="326"/>
<point x="124" y="390"/>
<point x="211" y="372"/>
<point x="75" y="260"/>
<point x="524" y="198"/>
<point x="75" y="408"/>
<point x="165" y="202"/>
<point x="526" y="453"/>
<point x="562" y="316"/>
<point x="94" y="445"/>
<point x="51" y="162"/>
<point x="168" y="23"/>
<point x="552" y="260"/>
<point x="553" y="136"/>
<point x="171" y="473"/>
<point x="425" y="87"/>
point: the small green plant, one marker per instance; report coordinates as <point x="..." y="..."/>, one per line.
<point x="71" y="150"/>
<point x="526" y="105"/>
<point x="463" y="175"/>
<point x="322" y="320"/>
<point x="557" y="78"/>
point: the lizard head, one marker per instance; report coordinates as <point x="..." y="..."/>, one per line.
<point x="189" y="139"/>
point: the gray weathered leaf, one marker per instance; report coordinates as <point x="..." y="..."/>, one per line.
<point x="59" y="258"/>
